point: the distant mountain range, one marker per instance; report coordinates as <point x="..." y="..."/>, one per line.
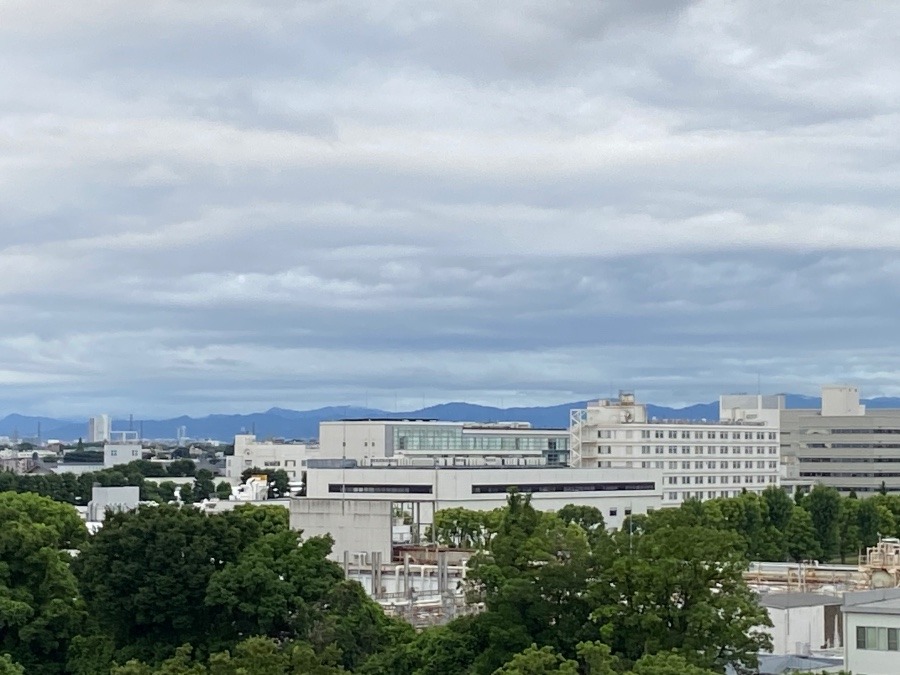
<point x="304" y="424"/>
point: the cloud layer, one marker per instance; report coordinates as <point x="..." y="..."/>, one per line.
<point x="223" y="205"/>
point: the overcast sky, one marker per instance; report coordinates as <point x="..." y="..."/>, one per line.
<point x="225" y="205"/>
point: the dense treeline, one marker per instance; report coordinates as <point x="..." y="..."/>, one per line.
<point x="821" y="525"/>
<point x="168" y="590"/>
<point x="76" y="488"/>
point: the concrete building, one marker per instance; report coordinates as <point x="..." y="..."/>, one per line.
<point x="842" y="444"/>
<point x="357" y="505"/>
<point x="105" y="499"/>
<point x="697" y="459"/>
<point x="252" y="453"/>
<point x="502" y="442"/>
<point x="121" y="453"/>
<point x="803" y="622"/>
<point x="872" y="627"/>
<point x="99" y="429"/>
<point x="114" y="453"/>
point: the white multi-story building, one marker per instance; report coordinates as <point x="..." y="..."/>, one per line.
<point x="250" y="453"/>
<point x="698" y="459"/>
<point x="99" y="429"/>
<point x="513" y="442"/>
<point x="843" y="444"/>
<point x="358" y="505"/>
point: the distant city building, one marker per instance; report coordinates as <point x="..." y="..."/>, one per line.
<point x="513" y="442"/>
<point x="842" y="444"/>
<point x="251" y="453"/>
<point x="698" y="459"/>
<point x="113" y="499"/>
<point x="121" y="453"/>
<point x="99" y="429"/>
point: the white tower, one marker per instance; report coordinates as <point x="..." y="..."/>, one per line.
<point x="99" y="429"/>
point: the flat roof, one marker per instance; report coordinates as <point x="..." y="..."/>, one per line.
<point x="790" y="600"/>
<point x="890" y="606"/>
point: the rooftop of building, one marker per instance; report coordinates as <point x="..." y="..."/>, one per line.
<point x="878" y="601"/>
<point x="791" y="600"/>
<point x="467" y="426"/>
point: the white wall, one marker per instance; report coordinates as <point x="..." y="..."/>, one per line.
<point x="362" y="439"/>
<point x="123" y="498"/>
<point x="121" y="453"/>
<point x="249" y="453"/>
<point x="869" y="661"/>
<point x="355" y="526"/>
<point x="795" y="627"/>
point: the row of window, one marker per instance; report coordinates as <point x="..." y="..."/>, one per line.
<point x="563" y="487"/>
<point x="849" y="474"/>
<point x="453" y="438"/>
<point x="864" y="431"/>
<point x="357" y="488"/>
<point x="700" y="494"/>
<point x="876" y="637"/>
<point x="380" y="488"/>
<point x="710" y="450"/>
<point x="712" y="480"/>
<point x="698" y="435"/>
<point x="713" y="466"/>
<point x="855" y="460"/>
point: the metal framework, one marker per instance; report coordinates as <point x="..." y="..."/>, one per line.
<point x="577" y="419"/>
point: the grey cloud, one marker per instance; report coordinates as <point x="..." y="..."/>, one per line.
<point x="231" y="205"/>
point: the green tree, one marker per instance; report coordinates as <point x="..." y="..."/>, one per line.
<point x="187" y="494"/>
<point x="10" y="667"/>
<point x="276" y="587"/>
<point x="849" y="540"/>
<point x="223" y="490"/>
<point x="41" y="609"/>
<point x="533" y="578"/>
<point x="868" y="522"/>
<point x="182" y="468"/>
<point x="823" y="504"/>
<point x="538" y="661"/>
<point x="668" y="663"/>
<point x="203" y="485"/>
<point x="145" y="577"/>
<point x="668" y="589"/>
<point x="802" y="543"/>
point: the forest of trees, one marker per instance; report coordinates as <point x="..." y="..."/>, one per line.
<point x="821" y="525"/>
<point x="171" y="590"/>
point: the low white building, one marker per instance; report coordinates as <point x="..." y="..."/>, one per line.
<point x="103" y="499"/>
<point x="872" y="627"/>
<point x="251" y="453"/>
<point x="698" y="459"/>
<point x="803" y="623"/>
<point x="357" y="505"/>
<point x="121" y="453"/>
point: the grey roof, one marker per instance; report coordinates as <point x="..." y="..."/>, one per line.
<point x="891" y="606"/>
<point x="878" y="601"/>
<point x="789" y="600"/>
<point x="771" y="664"/>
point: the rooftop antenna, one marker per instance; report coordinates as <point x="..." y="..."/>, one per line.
<point x="39" y="434"/>
<point x="141" y="426"/>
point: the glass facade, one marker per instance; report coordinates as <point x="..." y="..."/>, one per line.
<point x="450" y="438"/>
